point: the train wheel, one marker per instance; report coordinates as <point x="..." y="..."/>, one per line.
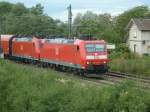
<point x="75" y="71"/>
<point x="63" y="68"/>
<point x="85" y="74"/>
<point x="81" y="72"/>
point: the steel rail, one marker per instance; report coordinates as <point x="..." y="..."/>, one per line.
<point x="127" y="76"/>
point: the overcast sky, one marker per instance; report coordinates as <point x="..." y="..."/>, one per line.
<point x="58" y="8"/>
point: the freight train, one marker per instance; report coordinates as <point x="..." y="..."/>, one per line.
<point x="80" y="56"/>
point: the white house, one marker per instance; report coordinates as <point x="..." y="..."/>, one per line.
<point x="139" y="36"/>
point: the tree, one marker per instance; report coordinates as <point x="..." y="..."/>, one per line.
<point x="18" y="9"/>
<point x="5" y="8"/>
<point x="37" y="10"/>
<point x="123" y="19"/>
<point x="100" y="26"/>
<point x="17" y="19"/>
<point x="105" y="27"/>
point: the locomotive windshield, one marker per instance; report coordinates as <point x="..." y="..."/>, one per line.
<point x="95" y="47"/>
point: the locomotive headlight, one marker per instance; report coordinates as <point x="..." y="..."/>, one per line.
<point x="104" y="61"/>
<point x="87" y="62"/>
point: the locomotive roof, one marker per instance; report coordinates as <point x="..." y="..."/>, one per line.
<point x="71" y="41"/>
<point x="24" y="39"/>
<point x="60" y="40"/>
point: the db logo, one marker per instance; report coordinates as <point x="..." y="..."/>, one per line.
<point x="57" y="51"/>
<point x="21" y="47"/>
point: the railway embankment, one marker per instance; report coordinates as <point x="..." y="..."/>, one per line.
<point x="29" y="88"/>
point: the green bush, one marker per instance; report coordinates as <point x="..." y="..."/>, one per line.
<point x="122" y="51"/>
<point x="125" y="98"/>
<point x="29" y="89"/>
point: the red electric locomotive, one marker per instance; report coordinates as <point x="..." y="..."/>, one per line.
<point x="77" y="55"/>
<point x="85" y="56"/>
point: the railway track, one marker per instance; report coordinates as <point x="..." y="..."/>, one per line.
<point x="130" y="77"/>
<point x="116" y="78"/>
<point x="100" y="81"/>
<point x="141" y="82"/>
<point x="95" y="80"/>
<point x="112" y="78"/>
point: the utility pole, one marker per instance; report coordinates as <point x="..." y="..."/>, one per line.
<point x="0" y="44"/>
<point x="69" y="21"/>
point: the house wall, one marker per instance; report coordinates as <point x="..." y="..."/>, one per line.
<point x="146" y="45"/>
<point x="139" y="41"/>
<point x="134" y="31"/>
<point x="134" y="40"/>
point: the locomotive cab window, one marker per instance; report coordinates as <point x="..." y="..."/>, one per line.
<point x="99" y="48"/>
<point x="95" y="47"/>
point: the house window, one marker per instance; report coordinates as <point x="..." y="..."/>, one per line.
<point x="135" y="34"/>
<point x="135" y="48"/>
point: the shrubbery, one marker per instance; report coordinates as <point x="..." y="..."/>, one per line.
<point x="122" y="51"/>
<point x="29" y="89"/>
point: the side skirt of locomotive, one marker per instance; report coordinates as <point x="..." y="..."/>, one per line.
<point x="60" y="66"/>
<point x="27" y="60"/>
<point x="78" y="68"/>
<point x="64" y="66"/>
<point x="62" y="63"/>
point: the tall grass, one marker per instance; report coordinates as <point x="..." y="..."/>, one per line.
<point x="29" y="89"/>
<point x="137" y="66"/>
<point x="123" y="60"/>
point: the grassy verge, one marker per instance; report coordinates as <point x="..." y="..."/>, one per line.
<point x="123" y="60"/>
<point x="137" y="66"/>
<point x="29" y="89"/>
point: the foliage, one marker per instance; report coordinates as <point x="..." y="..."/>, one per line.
<point x="25" y="88"/>
<point x="98" y="25"/>
<point x="127" y="99"/>
<point x="123" y="19"/>
<point x="104" y="26"/>
<point x="137" y="66"/>
<point x="122" y="51"/>
<point x="17" y="19"/>
<point x="37" y="10"/>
